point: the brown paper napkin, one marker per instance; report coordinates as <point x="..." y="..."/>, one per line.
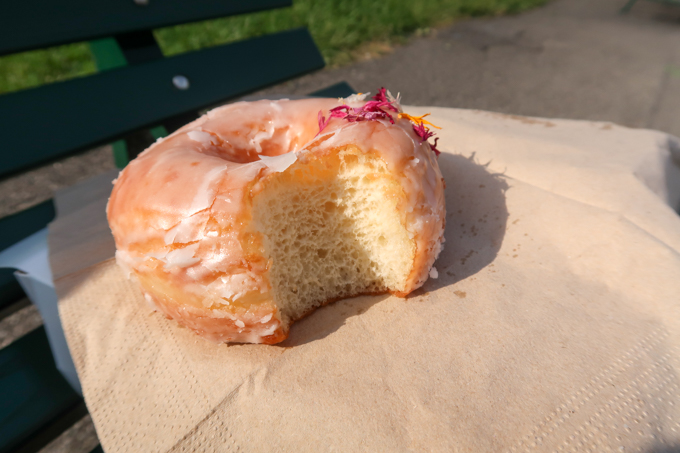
<point x="554" y="324"/>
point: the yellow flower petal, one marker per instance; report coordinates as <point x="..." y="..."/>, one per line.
<point x="417" y="119"/>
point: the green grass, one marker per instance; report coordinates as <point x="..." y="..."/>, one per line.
<point x="339" y="28"/>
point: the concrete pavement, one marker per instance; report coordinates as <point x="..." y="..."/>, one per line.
<point x="577" y="59"/>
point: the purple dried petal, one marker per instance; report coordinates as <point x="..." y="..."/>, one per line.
<point x="381" y="95"/>
<point x="434" y="146"/>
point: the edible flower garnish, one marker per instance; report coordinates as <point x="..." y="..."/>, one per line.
<point x="378" y="109"/>
<point x="384" y="95"/>
<point x="421" y="131"/>
<point x="358" y="97"/>
<point x="417" y="119"/>
<point x="372" y="110"/>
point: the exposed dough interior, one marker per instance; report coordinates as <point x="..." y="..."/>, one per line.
<point x="333" y="229"/>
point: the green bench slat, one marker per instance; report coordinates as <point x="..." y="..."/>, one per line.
<point x="10" y="290"/>
<point x="13" y="229"/>
<point x="32" y="24"/>
<point x="16" y="227"/>
<point x="55" y="120"/>
<point x="32" y="391"/>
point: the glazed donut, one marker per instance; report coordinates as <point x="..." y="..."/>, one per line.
<point x="255" y="214"/>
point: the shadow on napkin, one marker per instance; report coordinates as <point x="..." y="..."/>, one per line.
<point x="475" y="226"/>
<point x="665" y="449"/>
<point x="476" y="220"/>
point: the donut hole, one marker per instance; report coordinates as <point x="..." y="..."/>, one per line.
<point x="332" y="229"/>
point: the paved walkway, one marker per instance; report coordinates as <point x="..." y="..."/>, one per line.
<point x="575" y="59"/>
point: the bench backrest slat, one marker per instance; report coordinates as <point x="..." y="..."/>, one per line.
<point x="34" y="24"/>
<point x="55" y="120"/>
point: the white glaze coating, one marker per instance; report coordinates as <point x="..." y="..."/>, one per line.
<point x="184" y="203"/>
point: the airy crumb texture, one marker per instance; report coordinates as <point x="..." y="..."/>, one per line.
<point x="332" y="229"/>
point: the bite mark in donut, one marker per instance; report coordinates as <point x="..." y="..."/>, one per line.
<point x="251" y="217"/>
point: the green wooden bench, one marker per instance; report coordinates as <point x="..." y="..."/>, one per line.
<point x="137" y="89"/>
